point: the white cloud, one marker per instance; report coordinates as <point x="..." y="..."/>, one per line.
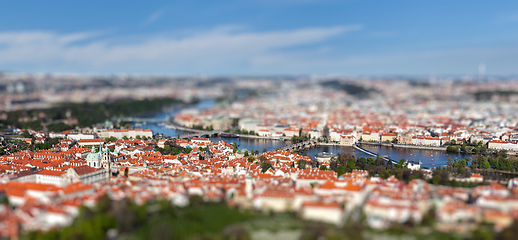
<point x="154" y="16"/>
<point x="234" y="49"/>
<point x="219" y="50"/>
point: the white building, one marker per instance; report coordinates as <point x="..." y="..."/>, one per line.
<point x="413" y="165"/>
<point x="90" y="142"/>
<point x="50" y="177"/>
<point x="347" y="140"/>
<point x="495" y="144"/>
<point x="324" y="212"/>
<point x="128" y="133"/>
<point x="509" y="145"/>
<point x="79" y="136"/>
<point x="85" y="174"/>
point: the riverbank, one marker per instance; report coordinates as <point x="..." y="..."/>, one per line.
<point x="404" y="146"/>
<point x="192" y="130"/>
<point x="419" y="147"/>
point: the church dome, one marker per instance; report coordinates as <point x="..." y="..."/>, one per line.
<point x="93" y="156"/>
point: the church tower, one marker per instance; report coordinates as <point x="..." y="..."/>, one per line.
<point x="248" y="185"/>
<point x="106" y="162"/>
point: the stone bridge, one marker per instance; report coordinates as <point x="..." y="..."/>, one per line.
<point x="301" y="146"/>
<point x="200" y="134"/>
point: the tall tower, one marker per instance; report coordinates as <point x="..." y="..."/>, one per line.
<point x="248" y="185"/>
<point x="481" y="71"/>
<point x="106" y="162"/>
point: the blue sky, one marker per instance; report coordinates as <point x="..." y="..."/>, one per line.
<point x="268" y="37"/>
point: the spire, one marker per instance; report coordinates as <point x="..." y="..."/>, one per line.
<point x="248" y="175"/>
<point x="248" y="185"/>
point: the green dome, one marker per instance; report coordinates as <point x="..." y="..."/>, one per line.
<point x="93" y="156"/>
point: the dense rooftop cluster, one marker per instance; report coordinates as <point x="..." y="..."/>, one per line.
<point x="401" y="112"/>
<point x="46" y="188"/>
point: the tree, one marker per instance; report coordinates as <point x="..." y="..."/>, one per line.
<point x="453" y="142"/>
<point x="187" y="150"/>
<point x="246" y="154"/>
<point x="26" y="134"/>
<point x="450" y="149"/>
<point x="350" y="166"/>
<point x="450" y="162"/>
<point x="401" y="164"/>
<point x="323" y="167"/>
<point x="379" y="161"/>
<point x="340" y="170"/>
<point x="301" y="164"/>
<point x="265" y="166"/>
<point x="464" y="148"/>
<point x="503" y="152"/>
<point x="262" y="159"/>
<point x="333" y="164"/>
<point x="476" y="149"/>
<point x="175" y="151"/>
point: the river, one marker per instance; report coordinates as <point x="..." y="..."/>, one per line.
<point x="429" y="158"/>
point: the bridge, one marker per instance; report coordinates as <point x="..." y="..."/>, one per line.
<point x="373" y="154"/>
<point x="394" y="162"/>
<point x="301" y="146"/>
<point x="200" y="133"/>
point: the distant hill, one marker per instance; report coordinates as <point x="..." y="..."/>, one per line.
<point x="350" y="88"/>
